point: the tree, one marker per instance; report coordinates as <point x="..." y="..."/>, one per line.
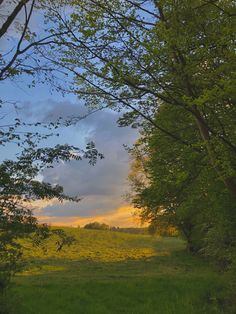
<point x="97" y="226"/>
<point x="136" y="55"/>
<point x="19" y="187"/>
<point x="176" y="187"/>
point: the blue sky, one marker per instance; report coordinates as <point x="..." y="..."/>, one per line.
<point x="102" y="186"/>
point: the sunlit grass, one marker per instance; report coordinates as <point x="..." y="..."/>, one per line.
<point x="103" y="246"/>
<point x="109" y="272"/>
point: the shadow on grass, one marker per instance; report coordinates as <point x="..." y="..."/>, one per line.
<point x="170" y="281"/>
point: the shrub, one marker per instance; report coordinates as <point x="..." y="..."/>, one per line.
<point x="97" y="226"/>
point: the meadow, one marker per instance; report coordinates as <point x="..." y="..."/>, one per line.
<point x="107" y="272"/>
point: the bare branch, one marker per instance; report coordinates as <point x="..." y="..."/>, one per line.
<point x="12" y="16"/>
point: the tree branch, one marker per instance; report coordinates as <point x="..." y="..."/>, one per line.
<point x="12" y="16"/>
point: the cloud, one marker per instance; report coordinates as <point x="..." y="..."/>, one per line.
<point x="90" y="205"/>
<point x="101" y="186"/>
<point x="38" y="205"/>
<point x="50" y="110"/>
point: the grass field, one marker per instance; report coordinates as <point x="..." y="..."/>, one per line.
<point x="110" y="272"/>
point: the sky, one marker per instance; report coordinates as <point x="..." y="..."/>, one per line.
<point x="102" y="187"/>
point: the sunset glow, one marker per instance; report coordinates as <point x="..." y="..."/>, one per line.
<point x="121" y="217"/>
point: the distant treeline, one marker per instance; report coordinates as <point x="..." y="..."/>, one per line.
<point x="102" y="226"/>
<point x="131" y="230"/>
<point x="164" y="231"/>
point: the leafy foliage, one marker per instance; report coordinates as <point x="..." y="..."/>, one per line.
<point x="182" y="190"/>
<point x="138" y="55"/>
<point x="19" y="187"/>
<point x="97" y="226"/>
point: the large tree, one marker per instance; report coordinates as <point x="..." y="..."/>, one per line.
<point x="174" y="185"/>
<point x="136" y="55"/>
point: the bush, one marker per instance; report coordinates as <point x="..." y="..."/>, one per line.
<point x="97" y="226"/>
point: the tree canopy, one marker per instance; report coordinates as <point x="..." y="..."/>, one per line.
<point x="137" y="55"/>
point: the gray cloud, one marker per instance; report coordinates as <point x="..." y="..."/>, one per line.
<point x="50" y="110"/>
<point x="101" y="186"/>
<point x="89" y="206"/>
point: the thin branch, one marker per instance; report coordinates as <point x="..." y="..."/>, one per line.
<point x="126" y="104"/>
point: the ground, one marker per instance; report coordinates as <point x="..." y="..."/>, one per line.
<point x="107" y="272"/>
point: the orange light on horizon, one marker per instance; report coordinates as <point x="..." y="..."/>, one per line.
<point x="121" y="217"/>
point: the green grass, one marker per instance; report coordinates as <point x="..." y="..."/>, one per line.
<point x="110" y="272"/>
